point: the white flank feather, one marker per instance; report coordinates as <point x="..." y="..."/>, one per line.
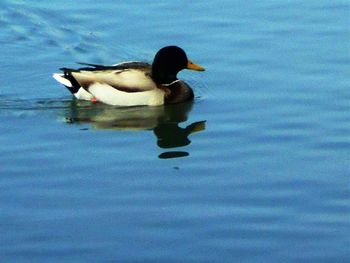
<point x="112" y="96"/>
<point x="82" y="94"/>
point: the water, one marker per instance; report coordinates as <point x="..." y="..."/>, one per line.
<point x="255" y="170"/>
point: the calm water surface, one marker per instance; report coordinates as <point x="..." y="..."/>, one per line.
<point x="255" y="170"/>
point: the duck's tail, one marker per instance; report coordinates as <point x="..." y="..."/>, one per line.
<point x="61" y="79"/>
<point x="72" y="85"/>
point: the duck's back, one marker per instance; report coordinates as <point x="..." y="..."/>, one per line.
<point x="127" y="80"/>
<point x="125" y="84"/>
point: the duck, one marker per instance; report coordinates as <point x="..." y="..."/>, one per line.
<point x="132" y="83"/>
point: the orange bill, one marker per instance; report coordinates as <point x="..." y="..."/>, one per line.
<point x="191" y="65"/>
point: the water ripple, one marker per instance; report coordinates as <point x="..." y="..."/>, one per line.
<point x="265" y="163"/>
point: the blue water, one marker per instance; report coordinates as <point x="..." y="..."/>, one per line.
<point x="255" y="170"/>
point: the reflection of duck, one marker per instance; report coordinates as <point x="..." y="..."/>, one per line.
<point x="170" y="135"/>
<point x="163" y="120"/>
<point x="133" y="83"/>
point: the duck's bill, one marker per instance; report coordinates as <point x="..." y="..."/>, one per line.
<point x="191" y="65"/>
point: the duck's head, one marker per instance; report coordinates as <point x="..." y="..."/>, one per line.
<point x="168" y="62"/>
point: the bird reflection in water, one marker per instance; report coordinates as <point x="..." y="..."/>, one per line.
<point x="163" y="120"/>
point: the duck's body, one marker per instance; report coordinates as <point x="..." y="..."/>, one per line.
<point x="133" y="83"/>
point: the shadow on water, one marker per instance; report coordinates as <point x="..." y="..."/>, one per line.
<point x="164" y="121"/>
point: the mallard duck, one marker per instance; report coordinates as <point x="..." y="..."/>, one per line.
<point x="133" y="83"/>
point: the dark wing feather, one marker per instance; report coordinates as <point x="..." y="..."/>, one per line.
<point x="146" y="67"/>
<point x="125" y="65"/>
<point x="103" y="73"/>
